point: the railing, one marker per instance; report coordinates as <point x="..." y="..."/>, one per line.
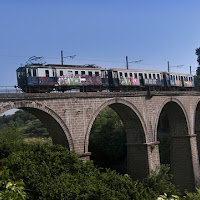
<point x="9" y="90"/>
<point x="16" y="90"/>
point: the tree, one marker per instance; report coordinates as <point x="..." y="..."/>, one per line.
<point x="198" y="59"/>
<point x="108" y="141"/>
<point x="51" y="172"/>
<point x="197" y="77"/>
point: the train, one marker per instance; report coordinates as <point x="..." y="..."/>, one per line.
<point x="39" y="78"/>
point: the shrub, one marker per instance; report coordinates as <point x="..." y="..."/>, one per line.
<point x="10" y="189"/>
<point x="10" y="141"/>
<point x="52" y="172"/>
<point x="160" y="181"/>
<point x="192" y="196"/>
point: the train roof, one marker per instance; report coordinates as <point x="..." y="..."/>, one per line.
<point x="85" y="67"/>
<point x="175" y="73"/>
<point x="148" y="71"/>
<point x="135" y="70"/>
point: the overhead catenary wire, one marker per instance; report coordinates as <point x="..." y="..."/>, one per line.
<point x="119" y="63"/>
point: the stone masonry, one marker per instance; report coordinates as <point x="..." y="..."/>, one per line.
<point x="69" y="118"/>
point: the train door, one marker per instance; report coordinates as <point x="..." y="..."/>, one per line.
<point x="141" y="79"/>
<point x="182" y="81"/>
<point x="54" y="72"/>
<point x="21" y="77"/>
<point x="104" y="78"/>
<point x="115" y="78"/>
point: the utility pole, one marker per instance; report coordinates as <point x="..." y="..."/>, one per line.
<point x="168" y="65"/>
<point x="135" y="61"/>
<point x="61" y="57"/>
<point x="190" y="70"/>
<point x="126" y="62"/>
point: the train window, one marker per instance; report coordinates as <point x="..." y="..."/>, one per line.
<point x="186" y="79"/>
<point x="47" y="73"/>
<point x="83" y="73"/>
<point x="54" y="72"/>
<point x="150" y="76"/>
<point x="114" y="74"/>
<point x="135" y="75"/>
<point x="76" y="73"/>
<point x="29" y="72"/>
<point x="103" y="74"/>
<point x="34" y="72"/>
<point x="145" y="76"/>
<point x="125" y="74"/>
<point x="70" y="73"/>
<point x="90" y="73"/>
<point x="131" y="75"/>
<point x="120" y="74"/>
<point x="61" y="73"/>
<point x="158" y="76"/>
<point x="96" y="73"/>
<point x="154" y="76"/>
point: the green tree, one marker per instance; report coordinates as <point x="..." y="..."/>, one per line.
<point x="198" y="58"/>
<point x="107" y="141"/>
<point x="197" y="77"/>
<point x="54" y="173"/>
<point x="160" y="181"/>
<point x="24" y="122"/>
<point x="9" y="189"/>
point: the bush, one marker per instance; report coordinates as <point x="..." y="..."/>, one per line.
<point x="52" y="172"/>
<point x="10" y="189"/>
<point x="160" y="181"/>
<point x="10" y="141"/>
<point x="192" y="196"/>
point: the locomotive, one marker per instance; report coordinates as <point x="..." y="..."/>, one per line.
<point x="35" y="78"/>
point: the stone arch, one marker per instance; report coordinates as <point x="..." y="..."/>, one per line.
<point x="48" y="117"/>
<point x="180" y="144"/>
<point x="110" y="103"/>
<point x="168" y="100"/>
<point x="135" y="128"/>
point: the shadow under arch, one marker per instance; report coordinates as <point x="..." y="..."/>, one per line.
<point x="181" y="110"/>
<point x="118" y="107"/>
<point x="135" y="129"/>
<point x="197" y="126"/>
<point x="54" y="124"/>
<point x="177" y="139"/>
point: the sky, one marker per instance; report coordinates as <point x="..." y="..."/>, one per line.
<point x="100" y="32"/>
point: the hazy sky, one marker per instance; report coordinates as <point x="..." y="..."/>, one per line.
<point x="101" y="32"/>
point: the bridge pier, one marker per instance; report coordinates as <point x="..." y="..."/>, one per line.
<point x="142" y="158"/>
<point x="185" y="162"/>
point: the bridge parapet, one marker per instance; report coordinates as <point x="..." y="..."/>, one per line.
<point x="21" y="96"/>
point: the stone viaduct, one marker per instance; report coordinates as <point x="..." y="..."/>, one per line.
<point x="69" y="118"/>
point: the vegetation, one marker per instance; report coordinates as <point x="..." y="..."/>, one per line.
<point x="197" y="76"/>
<point x="198" y="55"/>
<point x="108" y="141"/>
<point x="25" y="123"/>
<point x="45" y="171"/>
<point x="52" y="172"/>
